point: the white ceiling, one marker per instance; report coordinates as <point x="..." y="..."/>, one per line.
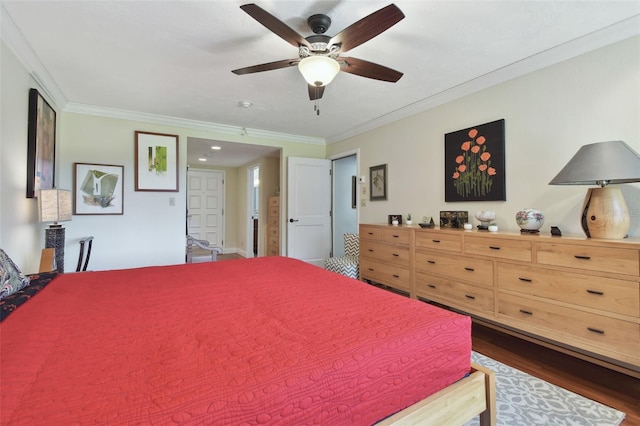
<point x="173" y="59"/>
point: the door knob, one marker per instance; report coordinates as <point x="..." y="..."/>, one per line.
<point x="293" y="220"/>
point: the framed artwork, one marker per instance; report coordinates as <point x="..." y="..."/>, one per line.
<point x="41" y="145"/>
<point x="378" y="182"/>
<point x="98" y="189"/>
<point x="156" y="162"/>
<point x="474" y="161"/>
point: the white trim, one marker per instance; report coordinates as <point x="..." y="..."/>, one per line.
<point x="189" y="124"/>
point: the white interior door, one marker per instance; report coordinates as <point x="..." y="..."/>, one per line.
<point x="309" y="209"/>
<point x="205" y="205"/>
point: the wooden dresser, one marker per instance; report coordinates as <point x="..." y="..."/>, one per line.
<point x="578" y="295"/>
<point x="273" y="227"/>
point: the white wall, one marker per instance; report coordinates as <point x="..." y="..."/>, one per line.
<point x="549" y="115"/>
<point x="21" y="236"/>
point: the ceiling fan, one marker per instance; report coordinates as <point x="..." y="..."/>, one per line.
<point x="319" y="58"/>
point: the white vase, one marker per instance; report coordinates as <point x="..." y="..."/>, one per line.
<point x="530" y="219"/>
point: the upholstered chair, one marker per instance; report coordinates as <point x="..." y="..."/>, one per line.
<point x="348" y="264"/>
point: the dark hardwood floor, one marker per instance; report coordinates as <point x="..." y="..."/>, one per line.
<point x="600" y="384"/>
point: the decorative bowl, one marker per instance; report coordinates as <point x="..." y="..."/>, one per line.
<point x="485" y="215"/>
<point x="530" y="219"/>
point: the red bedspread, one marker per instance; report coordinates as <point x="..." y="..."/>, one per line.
<point x="258" y="341"/>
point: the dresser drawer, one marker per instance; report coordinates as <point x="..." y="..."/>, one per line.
<point x="501" y="248"/>
<point x="274" y="211"/>
<point x="473" y="270"/>
<point x="459" y="295"/>
<point x="434" y="240"/>
<point x="273" y="221"/>
<point x="602" y="259"/>
<point x="391" y="275"/>
<point x="395" y="235"/>
<point x="274" y="232"/>
<point x="571" y="326"/>
<point x="397" y="255"/>
<point x="373" y="233"/>
<point x="274" y="201"/>
<point x="607" y="294"/>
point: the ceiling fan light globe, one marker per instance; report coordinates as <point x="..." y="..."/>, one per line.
<point x="319" y="70"/>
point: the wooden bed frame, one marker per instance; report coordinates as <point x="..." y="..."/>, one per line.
<point x="455" y="405"/>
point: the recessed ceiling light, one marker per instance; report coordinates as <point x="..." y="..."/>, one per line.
<point x="245" y="104"/>
<point x="202" y="159"/>
<point x="216" y="147"/>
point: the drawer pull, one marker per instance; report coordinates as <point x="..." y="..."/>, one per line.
<point x="370" y="269"/>
<point x="526" y="280"/>
<point x="396" y="236"/>
<point x="469" y="269"/>
<point x="595" y="330"/>
<point x="468" y="296"/>
<point x="370" y="233"/>
<point x="431" y="285"/>
<point x="526" y="312"/>
<point x="433" y="262"/>
<point x="395" y="254"/>
<point x="582" y="257"/>
<point x="370" y="250"/>
<point x="396" y="276"/>
<point x="436" y="241"/>
<point x="494" y="247"/>
<point x="596" y="292"/>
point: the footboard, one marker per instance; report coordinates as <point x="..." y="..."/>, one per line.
<point x="455" y="405"/>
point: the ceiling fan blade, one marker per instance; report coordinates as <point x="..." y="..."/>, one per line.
<point x="369" y="69"/>
<point x="315" y="92"/>
<point x="368" y="27"/>
<point x="267" y="67"/>
<point x="275" y="25"/>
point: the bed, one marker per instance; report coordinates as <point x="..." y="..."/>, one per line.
<point x="253" y="341"/>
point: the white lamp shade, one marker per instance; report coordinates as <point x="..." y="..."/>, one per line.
<point x="54" y="205"/>
<point x="319" y="70"/>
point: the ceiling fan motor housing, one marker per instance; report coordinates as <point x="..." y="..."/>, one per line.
<point x="319" y="23"/>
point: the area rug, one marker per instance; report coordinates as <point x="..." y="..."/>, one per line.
<point x="524" y="400"/>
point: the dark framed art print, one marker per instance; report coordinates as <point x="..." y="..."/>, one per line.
<point x="41" y="145"/>
<point x="475" y="163"/>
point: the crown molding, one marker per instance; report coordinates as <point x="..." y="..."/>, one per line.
<point x="614" y="33"/>
<point x="189" y="124"/>
<point x="16" y="42"/>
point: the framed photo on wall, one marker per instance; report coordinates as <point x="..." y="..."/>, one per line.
<point x="156" y="162"/>
<point x="378" y="182"/>
<point x="41" y="145"/>
<point x="98" y="189"/>
<point x="475" y="163"/>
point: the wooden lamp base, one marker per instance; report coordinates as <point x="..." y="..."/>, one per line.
<point x="605" y="214"/>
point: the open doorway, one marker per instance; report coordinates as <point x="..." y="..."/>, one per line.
<point x="253" y="203"/>
<point x="344" y="203"/>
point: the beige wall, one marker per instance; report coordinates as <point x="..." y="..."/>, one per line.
<point x="548" y="115"/>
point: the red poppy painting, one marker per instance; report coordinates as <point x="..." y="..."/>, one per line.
<point x="474" y="163"/>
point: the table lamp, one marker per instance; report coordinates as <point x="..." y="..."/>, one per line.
<point x="54" y="205"/>
<point x="604" y="212"/>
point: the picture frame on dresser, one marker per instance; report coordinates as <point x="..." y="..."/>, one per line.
<point x="156" y="162"/>
<point x="41" y="144"/>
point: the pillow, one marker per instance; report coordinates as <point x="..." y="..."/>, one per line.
<point x="11" y="278"/>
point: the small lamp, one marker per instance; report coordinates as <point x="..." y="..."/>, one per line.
<point x="604" y="212"/>
<point x="319" y="70"/>
<point x="54" y="205"/>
